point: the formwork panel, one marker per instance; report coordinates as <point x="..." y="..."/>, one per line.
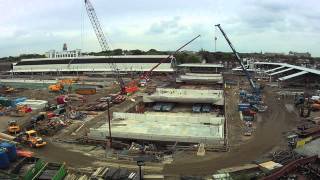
<point x="165" y="127"/>
<point x="185" y="96"/>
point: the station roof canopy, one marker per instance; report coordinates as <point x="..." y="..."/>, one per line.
<point x="282" y="71"/>
<point x="293" y="75"/>
<point x="274" y="69"/>
<point x="301" y="70"/>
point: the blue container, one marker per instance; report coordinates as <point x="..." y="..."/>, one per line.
<point x="4" y="160"/>
<point x="243" y="106"/>
<point x="18" y="100"/>
<point x="11" y="150"/>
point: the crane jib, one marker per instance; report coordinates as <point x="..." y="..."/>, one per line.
<point x="252" y="84"/>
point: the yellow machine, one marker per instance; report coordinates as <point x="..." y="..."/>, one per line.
<point x="60" y="85"/>
<point x="56" y="87"/>
<point x="13" y="127"/>
<point x="32" y="139"/>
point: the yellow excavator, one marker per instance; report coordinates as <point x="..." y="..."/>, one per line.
<point x="59" y="86"/>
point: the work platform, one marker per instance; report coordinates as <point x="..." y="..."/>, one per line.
<point x="167" y="127"/>
<point x="185" y="96"/>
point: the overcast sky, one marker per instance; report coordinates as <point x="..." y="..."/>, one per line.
<point x="35" y="26"/>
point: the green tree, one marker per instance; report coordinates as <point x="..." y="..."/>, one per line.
<point x="137" y="52"/>
<point x="117" y="52"/>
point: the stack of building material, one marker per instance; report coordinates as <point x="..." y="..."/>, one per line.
<point x="34" y="104"/>
<point x="269" y="166"/>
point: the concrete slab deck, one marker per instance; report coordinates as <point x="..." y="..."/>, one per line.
<point x="168" y="127"/>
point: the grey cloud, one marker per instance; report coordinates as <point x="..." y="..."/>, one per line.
<point x="171" y="25"/>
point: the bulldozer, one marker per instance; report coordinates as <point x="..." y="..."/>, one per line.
<point x="13" y="127"/>
<point x="31" y="139"/>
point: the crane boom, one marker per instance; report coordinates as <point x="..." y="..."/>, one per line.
<point x="103" y="42"/>
<point x="146" y="75"/>
<point x="252" y="84"/>
<point x="96" y="26"/>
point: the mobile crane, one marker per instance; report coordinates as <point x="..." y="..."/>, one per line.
<point x="256" y="91"/>
<point x="104" y="45"/>
<point x="132" y="86"/>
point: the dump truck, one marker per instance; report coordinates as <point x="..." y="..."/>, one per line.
<point x="31" y="139"/>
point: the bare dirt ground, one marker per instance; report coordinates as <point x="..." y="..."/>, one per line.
<point x="269" y="135"/>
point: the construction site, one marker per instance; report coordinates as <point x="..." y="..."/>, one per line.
<point x="70" y="116"/>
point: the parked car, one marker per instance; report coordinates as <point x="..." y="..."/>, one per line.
<point x="166" y="107"/>
<point x="157" y="107"/>
<point x="206" y="108"/>
<point x="196" y="108"/>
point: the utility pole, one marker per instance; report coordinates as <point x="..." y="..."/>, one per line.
<point x="109" y="140"/>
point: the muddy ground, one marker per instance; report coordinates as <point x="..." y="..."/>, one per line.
<point x="269" y="136"/>
<point x="271" y="129"/>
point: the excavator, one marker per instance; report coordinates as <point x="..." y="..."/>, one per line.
<point x="59" y="87"/>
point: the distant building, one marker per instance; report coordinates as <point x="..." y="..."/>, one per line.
<point x="64" y="53"/>
<point x="306" y="54"/>
<point x="271" y="54"/>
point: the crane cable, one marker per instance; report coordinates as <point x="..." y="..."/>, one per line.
<point x="215" y="39"/>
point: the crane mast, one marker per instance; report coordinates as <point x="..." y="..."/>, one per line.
<point x="252" y="84"/>
<point x="103" y="42"/>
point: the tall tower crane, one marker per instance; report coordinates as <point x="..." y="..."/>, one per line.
<point x="103" y="42"/>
